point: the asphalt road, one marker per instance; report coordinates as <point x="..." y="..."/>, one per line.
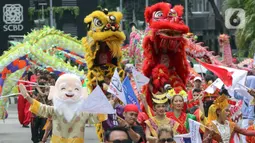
<point x="12" y="132"/>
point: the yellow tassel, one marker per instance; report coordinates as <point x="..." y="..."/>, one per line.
<point x="100" y="132"/>
<point x="212" y="113"/>
<point x="115" y="48"/>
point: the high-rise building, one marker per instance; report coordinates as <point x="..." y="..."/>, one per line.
<point x="204" y="23"/>
<point x="68" y="22"/>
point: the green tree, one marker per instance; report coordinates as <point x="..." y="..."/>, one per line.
<point x="245" y="38"/>
<point x="219" y="17"/>
<point x="129" y="5"/>
<point x="111" y="5"/>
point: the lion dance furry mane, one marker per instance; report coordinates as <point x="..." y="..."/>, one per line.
<point x="164" y="49"/>
<point x="103" y="39"/>
<point x="103" y="49"/>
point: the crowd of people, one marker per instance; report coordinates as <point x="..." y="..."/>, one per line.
<point x="38" y="82"/>
<point x="170" y="113"/>
<point x="167" y="103"/>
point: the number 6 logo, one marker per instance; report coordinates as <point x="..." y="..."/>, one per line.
<point x="235" y="18"/>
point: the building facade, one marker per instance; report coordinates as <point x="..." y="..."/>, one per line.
<point x="202" y="22"/>
<point x="16" y="20"/>
<point x="68" y="22"/>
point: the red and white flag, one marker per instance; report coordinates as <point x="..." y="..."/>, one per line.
<point x="229" y="76"/>
<point x="218" y="83"/>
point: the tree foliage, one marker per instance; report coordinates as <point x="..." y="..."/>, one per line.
<point x="137" y="5"/>
<point x="245" y="38"/>
<point x="111" y="5"/>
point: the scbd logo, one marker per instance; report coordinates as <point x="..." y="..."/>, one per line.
<point x="13" y="17"/>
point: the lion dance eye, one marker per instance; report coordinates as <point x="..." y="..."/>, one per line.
<point x="97" y="22"/>
<point x="158" y="14"/>
<point x="172" y="13"/>
<point x="112" y="18"/>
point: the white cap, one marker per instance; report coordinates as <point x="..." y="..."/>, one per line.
<point x="167" y="86"/>
<point x="129" y="65"/>
<point x="198" y="78"/>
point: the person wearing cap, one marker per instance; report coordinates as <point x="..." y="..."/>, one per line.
<point x="197" y="82"/>
<point x="197" y="86"/>
<point x="135" y="131"/>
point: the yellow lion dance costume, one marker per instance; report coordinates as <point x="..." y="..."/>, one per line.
<point x="103" y="49"/>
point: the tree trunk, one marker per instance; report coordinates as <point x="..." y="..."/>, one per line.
<point x="218" y="16"/>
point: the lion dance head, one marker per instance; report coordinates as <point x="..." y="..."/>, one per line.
<point x="164" y="48"/>
<point x="103" y="46"/>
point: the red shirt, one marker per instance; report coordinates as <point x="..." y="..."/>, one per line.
<point x="33" y="78"/>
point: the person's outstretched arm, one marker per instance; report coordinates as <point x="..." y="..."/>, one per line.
<point x="25" y="94"/>
<point x="244" y="131"/>
<point x="36" y="107"/>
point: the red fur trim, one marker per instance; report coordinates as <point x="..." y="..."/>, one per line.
<point x="148" y="94"/>
<point x="180" y="86"/>
<point x="147" y="68"/>
<point x="181" y="64"/>
<point x="167" y="25"/>
<point x="147" y="46"/>
<point x="177" y="90"/>
<point x="179" y="9"/>
<point x="160" y="76"/>
<point x="164" y="7"/>
<point x="149" y="61"/>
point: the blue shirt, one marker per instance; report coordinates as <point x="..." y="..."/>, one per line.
<point x="247" y="109"/>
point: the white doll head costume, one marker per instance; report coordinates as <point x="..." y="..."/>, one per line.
<point x="68" y="87"/>
<point x="67" y="95"/>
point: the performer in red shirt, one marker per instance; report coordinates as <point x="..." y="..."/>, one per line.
<point x="23" y="106"/>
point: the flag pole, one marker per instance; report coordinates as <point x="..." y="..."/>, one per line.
<point x="9" y="95"/>
<point x="202" y="74"/>
<point x="23" y="81"/>
<point x="244" y="86"/>
<point x="203" y="125"/>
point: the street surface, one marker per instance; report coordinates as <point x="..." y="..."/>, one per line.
<point x="12" y="132"/>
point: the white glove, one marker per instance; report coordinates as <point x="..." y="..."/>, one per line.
<point x="23" y="90"/>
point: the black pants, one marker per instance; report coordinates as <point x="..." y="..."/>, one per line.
<point x="37" y="124"/>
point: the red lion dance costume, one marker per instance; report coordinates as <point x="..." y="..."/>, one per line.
<point x="164" y="49"/>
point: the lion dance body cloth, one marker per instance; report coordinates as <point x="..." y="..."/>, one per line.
<point x="103" y="49"/>
<point x="164" y="48"/>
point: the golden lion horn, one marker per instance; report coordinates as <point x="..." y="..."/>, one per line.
<point x="159" y="98"/>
